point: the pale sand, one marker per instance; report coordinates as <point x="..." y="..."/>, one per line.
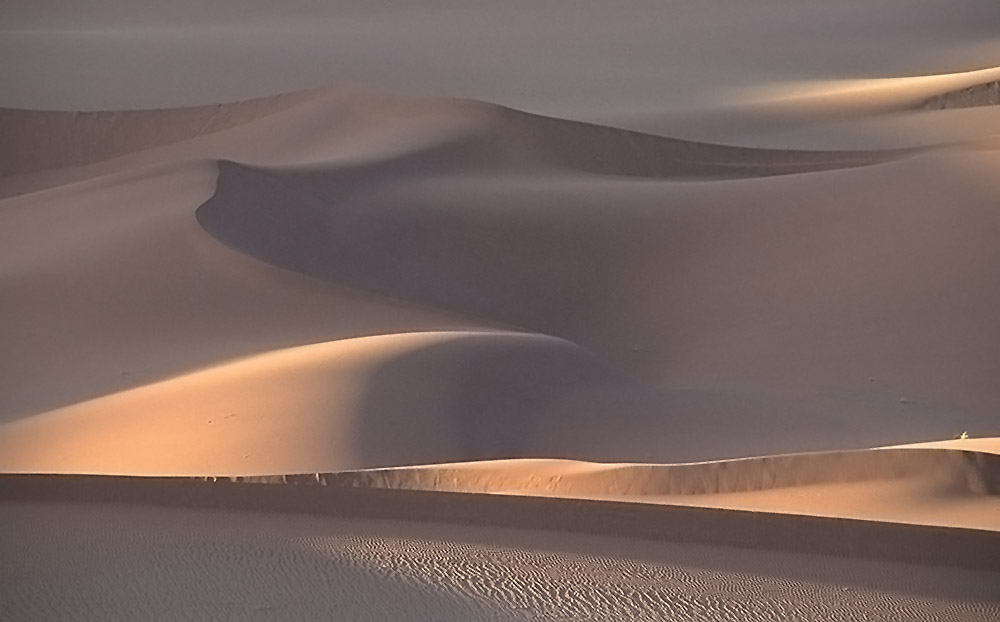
<point x="452" y="312"/>
<point x="215" y="564"/>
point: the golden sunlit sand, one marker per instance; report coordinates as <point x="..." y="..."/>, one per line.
<point x="369" y="313"/>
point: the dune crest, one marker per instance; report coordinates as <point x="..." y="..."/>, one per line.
<point x="85" y="137"/>
<point x="941" y="91"/>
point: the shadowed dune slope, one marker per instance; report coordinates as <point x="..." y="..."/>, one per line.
<point x="605" y="150"/>
<point x="864" y="295"/>
<point x="955" y="470"/>
<point x="770" y="314"/>
<point x="948" y="487"/>
<point x="111" y="284"/>
<point x="751" y="312"/>
<point x="340" y="405"/>
<point x="351" y="126"/>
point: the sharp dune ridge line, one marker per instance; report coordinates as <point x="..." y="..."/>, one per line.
<point x="99" y="141"/>
<point x="964" y="546"/>
<point x="411" y="354"/>
<point x="94" y="136"/>
<point x="961" y="89"/>
<point x="966" y="471"/>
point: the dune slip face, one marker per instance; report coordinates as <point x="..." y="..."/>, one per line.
<point x="509" y="311"/>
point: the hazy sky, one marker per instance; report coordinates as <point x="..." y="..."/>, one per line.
<point x="567" y="57"/>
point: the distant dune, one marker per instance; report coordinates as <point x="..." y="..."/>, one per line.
<point x="42" y="140"/>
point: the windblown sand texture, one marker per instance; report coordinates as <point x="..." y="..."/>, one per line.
<point x="525" y="311"/>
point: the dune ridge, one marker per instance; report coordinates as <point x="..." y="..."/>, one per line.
<point x="967" y="471"/>
<point x="447" y="190"/>
<point x="101" y="143"/>
<point x="331" y="225"/>
<point x="936" y="91"/>
<point x="39" y="140"/>
<point x="949" y="546"/>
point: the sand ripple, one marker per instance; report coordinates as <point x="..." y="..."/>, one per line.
<point x="117" y="562"/>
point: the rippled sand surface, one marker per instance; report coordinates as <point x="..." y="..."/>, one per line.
<point x="206" y="565"/>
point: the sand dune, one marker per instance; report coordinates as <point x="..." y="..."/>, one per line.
<point x="43" y="140"/>
<point x="875" y="113"/>
<point x="964" y="89"/>
<point x="816" y="263"/>
<point x="671" y="310"/>
<point x="323" y="407"/>
<point x="739" y="302"/>
<point x="352" y="126"/>
<point x="589" y="240"/>
<point x="948" y="487"/>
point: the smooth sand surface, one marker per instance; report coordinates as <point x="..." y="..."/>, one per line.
<point x="701" y="254"/>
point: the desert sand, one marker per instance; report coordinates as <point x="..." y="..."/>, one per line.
<point x="535" y="311"/>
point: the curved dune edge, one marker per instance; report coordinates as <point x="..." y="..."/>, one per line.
<point x="981" y="445"/>
<point x="596" y="235"/>
<point x="41" y="140"/>
<point x="919" y="544"/>
<point x="963" y="485"/>
<point x="956" y="470"/>
<point x="38" y="138"/>
<point x="44" y="140"/>
<point x="932" y="92"/>
<point x="945" y="487"/>
<point x="402" y="398"/>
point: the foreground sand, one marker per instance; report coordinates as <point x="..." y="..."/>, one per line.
<point x="101" y="562"/>
<point x="694" y="338"/>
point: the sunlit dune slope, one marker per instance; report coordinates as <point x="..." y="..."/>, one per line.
<point x="375" y="401"/>
<point x="927" y="485"/>
<point x="742" y="309"/>
<point x="865" y="295"/>
<point x="965" y="89"/>
<point x="111" y="284"/>
<point x="843" y="113"/>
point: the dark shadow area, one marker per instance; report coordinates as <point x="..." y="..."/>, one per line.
<point x="485" y="397"/>
<point x="482" y="397"/>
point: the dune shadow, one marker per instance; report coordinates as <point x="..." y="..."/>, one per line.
<point x="478" y="397"/>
